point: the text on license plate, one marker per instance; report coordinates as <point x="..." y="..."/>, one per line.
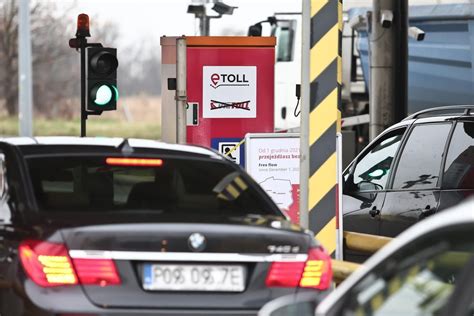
<point x="183" y="277"/>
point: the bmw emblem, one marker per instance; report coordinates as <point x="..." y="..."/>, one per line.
<point x="197" y="242"/>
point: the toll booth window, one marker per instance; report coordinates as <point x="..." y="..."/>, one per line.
<point x="459" y="167"/>
<point x="96" y="184"/>
<point x="285" y="33"/>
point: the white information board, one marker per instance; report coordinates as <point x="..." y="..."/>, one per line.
<point x="273" y="160"/>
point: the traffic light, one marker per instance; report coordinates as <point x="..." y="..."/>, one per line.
<point x="101" y="80"/>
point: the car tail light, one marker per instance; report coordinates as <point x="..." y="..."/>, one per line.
<point x="96" y="272"/>
<point x="134" y="162"/>
<point x="48" y="264"/>
<point x="315" y="273"/>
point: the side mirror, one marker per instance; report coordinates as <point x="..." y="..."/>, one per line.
<point x="369" y="186"/>
<point x="348" y="184"/>
<point x="255" y="30"/>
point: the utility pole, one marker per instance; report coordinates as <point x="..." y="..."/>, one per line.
<point x="25" y="70"/>
<point x="388" y="31"/>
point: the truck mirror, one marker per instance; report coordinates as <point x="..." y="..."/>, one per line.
<point x="255" y="30"/>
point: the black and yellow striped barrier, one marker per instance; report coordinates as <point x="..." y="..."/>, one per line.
<point x="324" y="117"/>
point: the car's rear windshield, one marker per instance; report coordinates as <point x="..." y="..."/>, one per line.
<point x="142" y="185"/>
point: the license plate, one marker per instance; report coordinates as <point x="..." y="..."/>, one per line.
<point x="182" y="277"/>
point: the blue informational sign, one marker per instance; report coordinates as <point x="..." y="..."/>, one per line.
<point x="232" y="148"/>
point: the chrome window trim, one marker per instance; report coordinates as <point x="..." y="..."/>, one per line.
<point x="186" y="256"/>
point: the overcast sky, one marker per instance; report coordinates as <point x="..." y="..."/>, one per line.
<point x="143" y="22"/>
<point x="150" y="19"/>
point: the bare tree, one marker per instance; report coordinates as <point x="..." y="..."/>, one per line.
<point x="140" y="70"/>
<point x="55" y="65"/>
<point x="9" y="54"/>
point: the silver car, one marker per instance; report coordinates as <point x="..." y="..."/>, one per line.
<point x="427" y="270"/>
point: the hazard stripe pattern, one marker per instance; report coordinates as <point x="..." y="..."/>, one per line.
<point x="324" y="117"/>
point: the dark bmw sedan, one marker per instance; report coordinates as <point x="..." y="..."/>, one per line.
<point x="109" y="226"/>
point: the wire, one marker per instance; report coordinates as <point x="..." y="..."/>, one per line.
<point x="296" y="108"/>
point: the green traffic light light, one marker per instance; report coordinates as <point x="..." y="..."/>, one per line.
<point x="104" y="94"/>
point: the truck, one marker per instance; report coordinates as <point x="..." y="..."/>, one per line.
<point x="440" y="66"/>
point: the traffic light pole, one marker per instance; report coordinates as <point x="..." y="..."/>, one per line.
<point x="81" y="44"/>
<point x="83" y="87"/>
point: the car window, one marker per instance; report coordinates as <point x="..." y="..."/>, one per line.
<point x="459" y="167"/>
<point x="169" y="187"/>
<point x="372" y="170"/>
<point x="420" y="160"/>
<point x="416" y="281"/>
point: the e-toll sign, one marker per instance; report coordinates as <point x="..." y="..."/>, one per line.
<point x="232" y="80"/>
<point x="229" y="92"/>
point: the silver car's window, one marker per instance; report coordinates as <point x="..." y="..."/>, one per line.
<point x="418" y="281"/>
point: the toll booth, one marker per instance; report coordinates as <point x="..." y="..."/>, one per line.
<point x="230" y="90"/>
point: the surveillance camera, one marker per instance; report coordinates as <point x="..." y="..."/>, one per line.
<point x="223" y="8"/>
<point x="416" y="33"/>
<point x="386" y="18"/>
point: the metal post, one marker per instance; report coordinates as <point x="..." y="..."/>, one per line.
<point x="181" y="98"/>
<point x="340" y="224"/>
<point x="83" y="87"/>
<point x="401" y="62"/>
<point x="381" y="69"/>
<point x="25" y="71"/>
<point x="388" y="65"/>
<point x="304" y="135"/>
<point x="204" y="25"/>
<point x="323" y="118"/>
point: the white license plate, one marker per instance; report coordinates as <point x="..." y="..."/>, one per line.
<point x="183" y="277"/>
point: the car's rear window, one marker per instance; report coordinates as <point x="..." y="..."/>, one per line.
<point x="158" y="186"/>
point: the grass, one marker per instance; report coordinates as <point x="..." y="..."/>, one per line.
<point x="96" y="126"/>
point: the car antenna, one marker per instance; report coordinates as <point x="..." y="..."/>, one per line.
<point x="125" y="148"/>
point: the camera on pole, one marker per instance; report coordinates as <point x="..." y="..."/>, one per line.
<point x="98" y="73"/>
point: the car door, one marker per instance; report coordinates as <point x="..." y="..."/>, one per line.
<point x="415" y="189"/>
<point x="5" y="220"/>
<point x="365" y="183"/>
<point x="5" y="216"/>
<point x="418" y="279"/>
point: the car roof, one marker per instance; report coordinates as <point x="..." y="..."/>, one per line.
<point x="112" y="142"/>
<point x="458" y="215"/>
<point x="454" y="111"/>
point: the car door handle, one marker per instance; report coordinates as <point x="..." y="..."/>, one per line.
<point x="374" y="212"/>
<point x="427" y="211"/>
